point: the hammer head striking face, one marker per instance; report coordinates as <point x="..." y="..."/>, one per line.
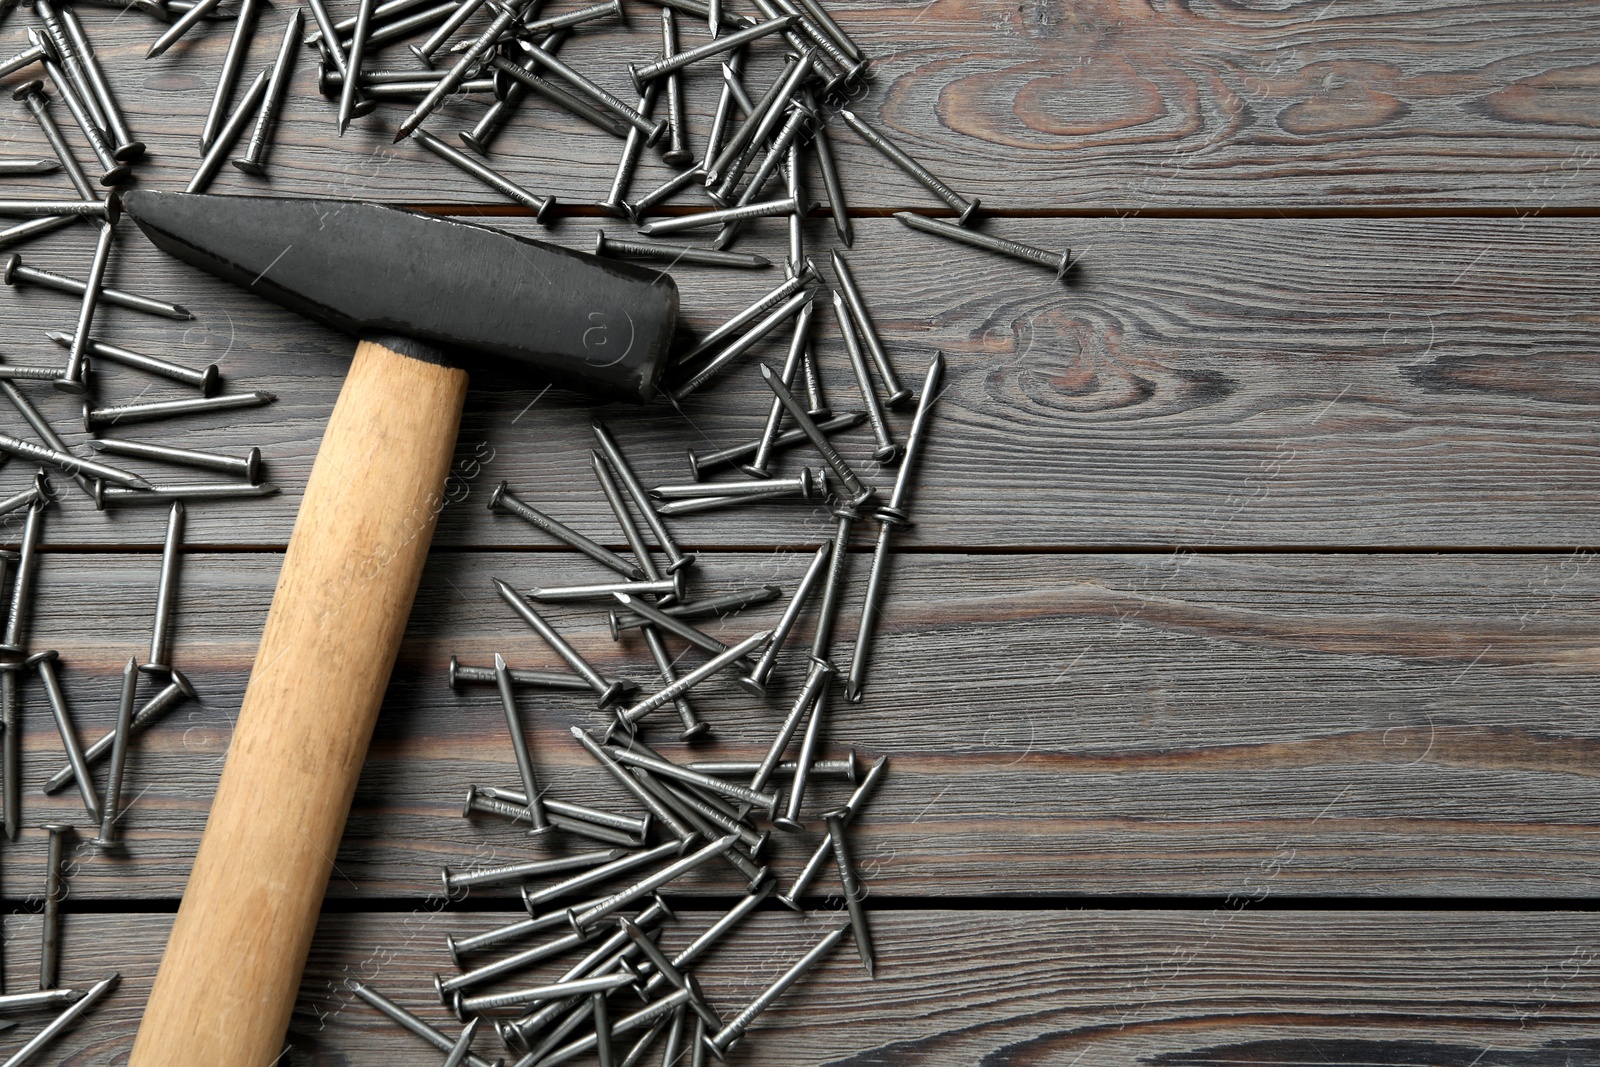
<point x="599" y="326"/>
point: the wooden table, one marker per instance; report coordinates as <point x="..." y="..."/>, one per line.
<point x="1239" y="673"/>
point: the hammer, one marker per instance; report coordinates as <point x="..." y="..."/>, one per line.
<point x="416" y="290"/>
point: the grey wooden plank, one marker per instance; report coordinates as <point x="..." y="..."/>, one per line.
<point x="1096" y="988"/>
<point x="1404" y="725"/>
<point x="1356" y="382"/>
<point x="1422" y="105"/>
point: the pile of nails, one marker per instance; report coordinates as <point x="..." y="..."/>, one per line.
<point x="595" y="908"/>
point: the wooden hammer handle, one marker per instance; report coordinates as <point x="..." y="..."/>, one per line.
<point x="232" y="967"/>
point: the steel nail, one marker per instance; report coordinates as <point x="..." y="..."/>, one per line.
<point x="176" y="692"/>
<point x="696" y="818"/>
<point x="465" y="946"/>
<point x="777" y="151"/>
<point x="255" y="153"/>
<point x="45" y="662"/>
<point x="631" y="715"/>
<point x="228" y="76"/>
<point x="519" y="747"/>
<point x="55" y="890"/>
<point x="326" y="31"/>
<point x="509" y="873"/>
<point x="63" y="1022"/>
<point x="762" y="209"/>
<point x="719" y="606"/>
<point x="887" y="451"/>
<point x="16" y="631"/>
<point x="482" y="802"/>
<point x="723" y="820"/>
<point x="230" y="133"/>
<point x="857" y="493"/>
<point x="16" y="271"/>
<point x="634" y="825"/>
<point x="756" y="681"/>
<point x="503" y="499"/>
<point x="460" y="673"/>
<point x="1056" y="261"/>
<point x="184" y="23"/>
<point x="813" y="484"/>
<point x="820" y="16"/>
<point x="207" y="379"/>
<point x="894" y="154"/>
<point x="915" y="441"/>
<point x="494" y="120"/>
<point x="799" y="342"/>
<point x="470" y="60"/>
<point x="424" y="52"/>
<point x="667" y="969"/>
<point x="160" y="633"/>
<point x="732" y="92"/>
<point x="693" y="726"/>
<point x="166" y="409"/>
<point x="667" y="64"/>
<point x="816" y="402"/>
<point x="633" y="756"/>
<point x="676" y="559"/>
<point x="712" y="934"/>
<point x="342" y="29"/>
<point x="521" y="74"/>
<point x="113" y="170"/>
<point x="72" y="381"/>
<point x="697" y="1043"/>
<point x="587" y="918"/>
<point x="723" y="173"/>
<point x="68" y="462"/>
<point x="829" y="768"/>
<point x="677" y="1035"/>
<point x="794" y="175"/>
<point x="853" y="892"/>
<point x="724" y="1039"/>
<point x="509" y="964"/>
<point x="783" y="291"/>
<point x="33" y="95"/>
<point x="727" y="457"/>
<point x="607" y="691"/>
<point x="805" y="766"/>
<point x="109" y="839"/>
<point x="571" y="594"/>
<point x="683" y="834"/>
<point x="833" y="587"/>
<point x="722" y="361"/>
<point x="35" y="51"/>
<point x="42" y="427"/>
<point x="802" y="484"/>
<point x="458" y="1051"/>
<point x="824" y="849"/>
<point x="656" y="1013"/>
<point x="667" y="189"/>
<point x="653" y="130"/>
<point x="40" y="490"/>
<point x="116" y="496"/>
<point x="817" y="680"/>
<point x="248" y="468"/>
<point x="16" y="1003"/>
<point x="677" y="154"/>
<point x="616" y="201"/>
<point x="405" y="27"/>
<point x="529" y="997"/>
<point x="540" y="205"/>
<point x="12" y="758"/>
<point x="615" y="248"/>
<point x="868" y="333"/>
<point x="67" y="54"/>
<point x="410" y="1022"/>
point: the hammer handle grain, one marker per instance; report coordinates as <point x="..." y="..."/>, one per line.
<point x="232" y="967"/>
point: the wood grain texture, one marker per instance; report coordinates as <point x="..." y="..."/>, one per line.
<point x="1110" y="105"/>
<point x="1402" y="725"/>
<point x="1098" y="988"/>
<point x="1355" y="382"/>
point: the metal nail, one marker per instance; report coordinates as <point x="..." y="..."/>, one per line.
<point x="833" y="587"/>
<point x="255" y="153"/>
<point x="1056" y="261"/>
<point x="63" y="1022"/>
<point x="732" y="327"/>
<point x="37" y="50"/>
<point x="697" y="1043"/>
<point x="712" y="934"/>
<point x="731" y="92"/>
<point x="682" y="833"/>
<point x="656" y="1012"/>
<point x="830" y="768"/>
<point x="616" y="248"/>
<point x="72" y="380"/>
<point x="230" y="133"/>
<point x="887" y="451"/>
<point x="116" y="496"/>
<point x="725" y="1038"/>
<point x="510" y="873"/>
<point x="761" y="465"/>
<point x="12" y="758"/>
<point x="706" y="809"/>
<point x="665" y="967"/>
<point x="756" y="681"/>
<point x="571" y="594"/>
<point x="184" y="23"/>
<point x="248" y="468"/>
<point x="33" y="95"/>
<point x="503" y="499"/>
<point x="853" y="892"/>
<point x="54" y="23"/>
<point x="667" y="189"/>
<point x="676" y="559"/>
<point x="466" y="946"/>
<point x="817" y="679"/>
<point x="805" y="766"/>
<point x="470" y="60"/>
<point x="108" y="838"/>
<point x="42" y="427"/>
<point x="677" y="154"/>
<point x="406" y="27"/>
<point x="608" y="692"/>
<point x="494" y="120"/>
<point x="458" y="1052"/>
<point x="723" y="173"/>
<point x="425" y="51"/>
<point x="762" y="209"/>
<point x="637" y="826"/>
<point x="207" y="379"/>
<point x="916" y="440"/>
<point x="342" y="29"/>
<point x="777" y="151"/>
<point x="653" y="130"/>
<point x="521" y="74"/>
<point x="541" y="205"/>
<point x="677" y="1035"/>
<point x="481" y="802"/>
<point x="656" y="765"/>
<point x="327" y="31"/>
<point x="519" y="747"/>
<point x="693" y="726"/>
<point x="166" y="595"/>
<point x="846" y="71"/>
<point x="719" y="606"/>
<point x="616" y="201"/>
<point x="857" y="493"/>
<point x="820" y="16"/>
<point x="630" y="530"/>
<point x="166" y="409"/>
<point x="16" y="632"/>
<point x="113" y="170"/>
<point x="176" y="692"/>
<point x="824" y="849"/>
<point x="816" y="486"/>
<point x="127" y="148"/>
<point x="870" y="610"/>
<point x="588" y="917"/>
<point x="55" y="890"/>
<point x="17" y="1003"/>
<point x="15" y="270"/>
<point x="39" y="490"/>
<point x="629" y="716"/>
<point x="898" y="393"/>
<point x="722" y="361"/>
<point x="228" y="76"/>
<point x="794" y="176"/>
<point x="529" y="997"/>
<point x="68" y="462"/>
<point x="410" y="1022"/>
<point x="648" y="72"/>
<point x="605" y="9"/>
<point x="727" y="457"/>
<point x="460" y="673"/>
<point x="694" y="817"/>
<point x="803" y="484"/>
<point x="45" y="662"/>
<point x="894" y="154"/>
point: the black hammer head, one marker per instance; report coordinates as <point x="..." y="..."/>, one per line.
<point x="597" y="325"/>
